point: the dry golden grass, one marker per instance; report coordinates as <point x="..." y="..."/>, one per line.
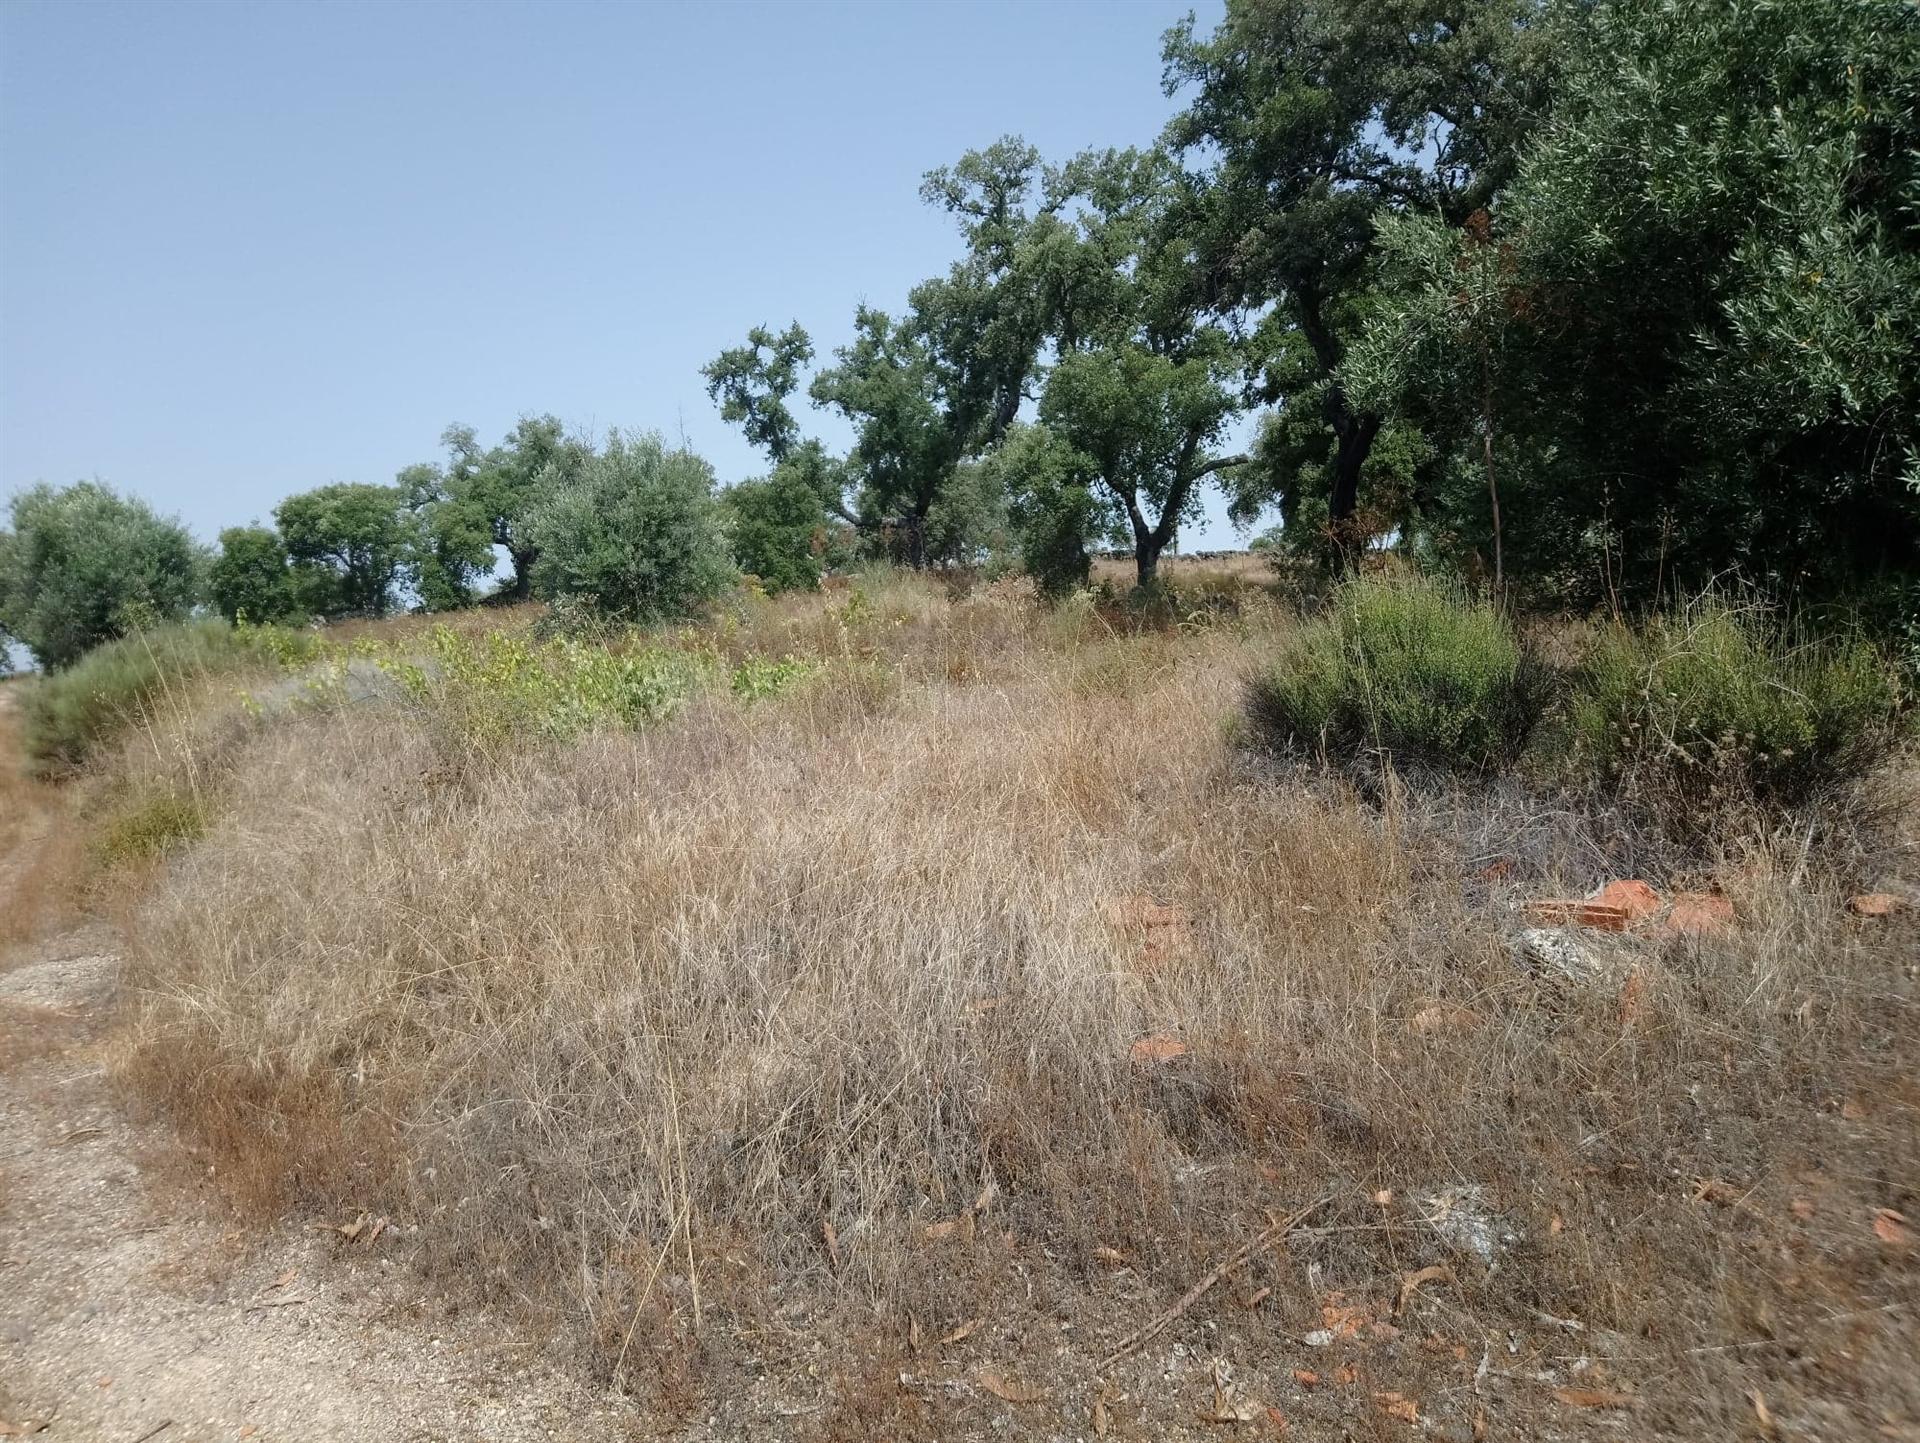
<point x="40" y="851"/>
<point x="670" y="1033"/>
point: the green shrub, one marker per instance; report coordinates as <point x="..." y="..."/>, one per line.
<point x="637" y="536"/>
<point x="150" y="827"/>
<point x="1721" y="696"/>
<point x="1409" y="666"/>
<point x="67" y="715"/>
<point x="777" y="529"/>
<point x="760" y="677"/>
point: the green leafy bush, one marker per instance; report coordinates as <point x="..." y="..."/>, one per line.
<point x="1721" y="696"/>
<point x="637" y="536"/>
<point x="777" y="529"/>
<point x="760" y="677"/>
<point x="1408" y="666"/>
<point x="67" y="715"/>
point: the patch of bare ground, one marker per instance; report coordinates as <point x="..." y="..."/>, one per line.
<point x="974" y="1041"/>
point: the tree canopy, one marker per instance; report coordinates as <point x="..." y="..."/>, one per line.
<point x="82" y="564"/>
<point x="350" y="544"/>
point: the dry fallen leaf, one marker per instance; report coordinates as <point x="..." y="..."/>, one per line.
<point x="830" y="1235"/>
<point x="1556" y="1225"/>
<point x="1397" y="1405"/>
<point x="1112" y="1257"/>
<point x="964" y="1331"/>
<point x="1009" y="1391"/>
<point x="1342" y="1318"/>
<point x="1802" y="1208"/>
<point x="1228" y="1406"/>
<point x="1717" y="1191"/>
<point x="961" y="1226"/>
<point x="1411" y="1283"/>
<point x="1593" y="1398"/>
<point x="1099" y="1414"/>
<point x="1891" y="1228"/>
<point x="987" y="1195"/>
<point x="1383" y="1198"/>
<point x="1260" y="1296"/>
<point x="248" y="1431"/>
<point x="1157" y="1048"/>
<point x="1277" y="1421"/>
<point x="1346" y="1374"/>
<point x="1853" y="1110"/>
<point x="1633" y="998"/>
<point x="1306" y="1377"/>
<point x="914" y="1339"/>
<point x="1444" y="1017"/>
<point x="1761" y="1412"/>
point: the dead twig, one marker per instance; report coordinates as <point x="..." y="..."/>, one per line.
<point x="1264" y="1238"/>
<point x="261" y="1307"/>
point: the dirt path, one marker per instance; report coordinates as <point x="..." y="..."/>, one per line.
<point x="128" y="1312"/>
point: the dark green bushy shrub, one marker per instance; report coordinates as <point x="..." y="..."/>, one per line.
<point x="1410" y="666"/>
<point x="1721" y="697"/>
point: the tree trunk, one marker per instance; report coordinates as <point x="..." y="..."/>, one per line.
<point x="1146" y="559"/>
<point x="522" y="573"/>
<point x="1354" y="437"/>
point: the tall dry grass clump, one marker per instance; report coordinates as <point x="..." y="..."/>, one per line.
<point x="977" y="958"/>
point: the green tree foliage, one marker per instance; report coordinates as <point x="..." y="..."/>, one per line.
<point x="752" y="383"/>
<point x="249" y="579"/>
<point x="1317" y="119"/>
<point x="478" y="501"/>
<point x="777" y="528"/>
<point x="638" y="535"/>
<point x="1053" y="507"/>
<point x="1145" y="381"/>
<point x="1686" y="340"/>
<point x="926" y="391"/>
<point x="81" y="564"/>
<point x="350" y="544"/>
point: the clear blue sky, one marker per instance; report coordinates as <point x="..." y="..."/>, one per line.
<point x="246" y="249"/>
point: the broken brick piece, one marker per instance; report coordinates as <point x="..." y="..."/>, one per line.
<point x="1570" y="912"/>
<point x="1700" y="914"/>
<point x="1634" y="897"/>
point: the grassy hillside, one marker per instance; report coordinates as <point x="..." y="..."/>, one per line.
<point x="863" y="964"/>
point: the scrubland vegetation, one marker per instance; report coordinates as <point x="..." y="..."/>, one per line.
<point x="845" y="925"/>
<point x="852" y="966"/>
